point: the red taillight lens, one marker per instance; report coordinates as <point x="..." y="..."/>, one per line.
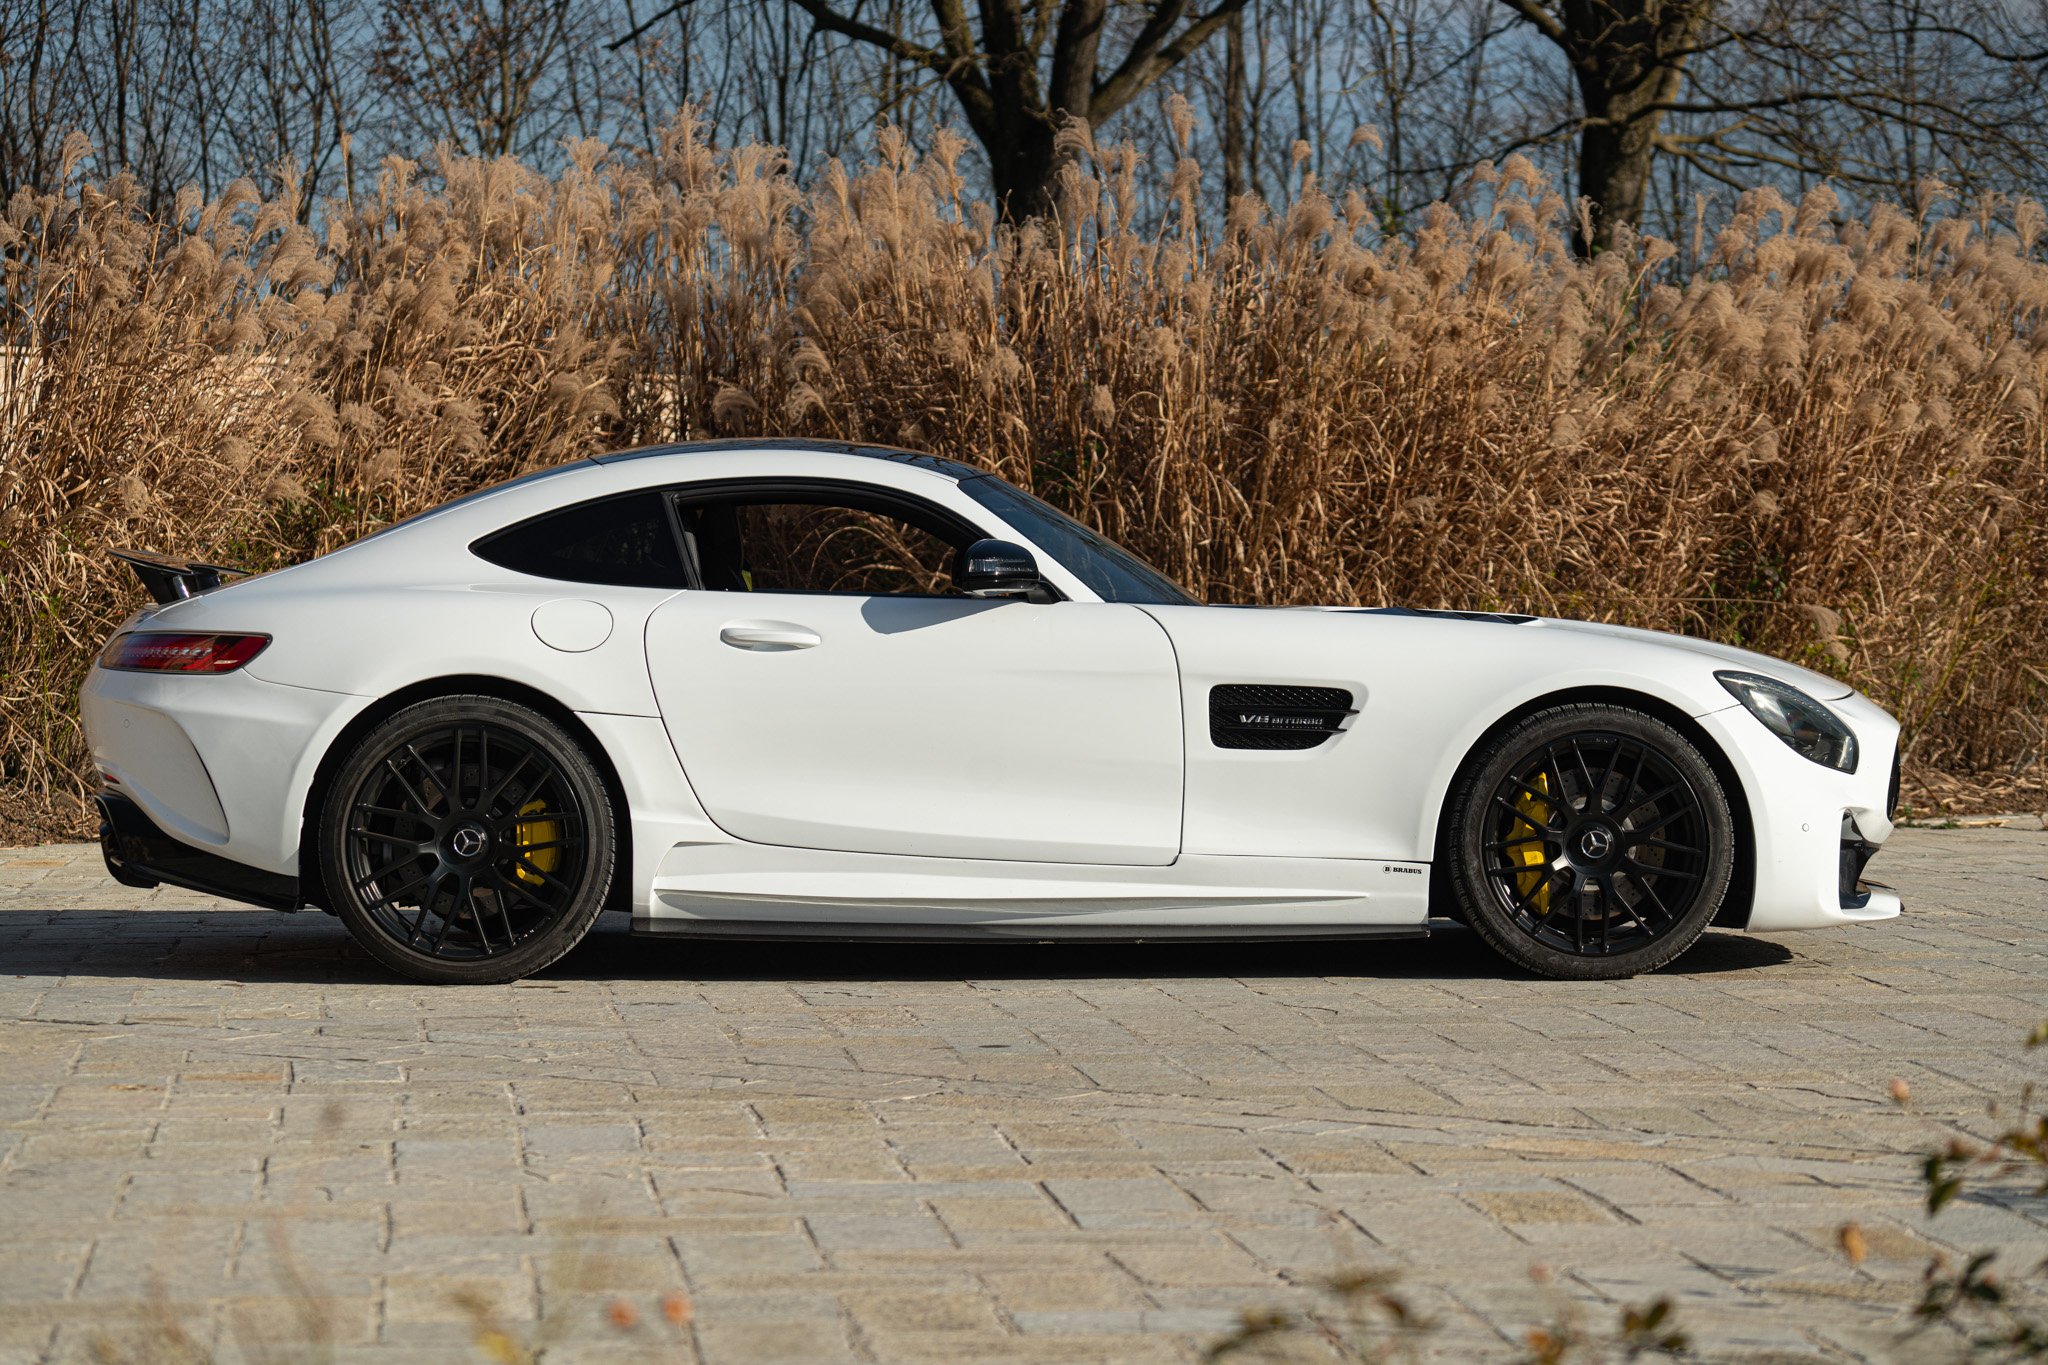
<point x="163" y="652"/>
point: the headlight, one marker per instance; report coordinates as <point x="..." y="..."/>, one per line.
<point x="1810" y="729"/>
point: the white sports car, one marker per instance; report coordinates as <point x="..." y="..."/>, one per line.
<point x="766" y="688"/>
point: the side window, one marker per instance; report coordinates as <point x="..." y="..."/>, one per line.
<point x="625" y="541"/>
<point x="815" y="547"/>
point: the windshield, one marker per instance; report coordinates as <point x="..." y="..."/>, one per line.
<point x="1113" y="573"/>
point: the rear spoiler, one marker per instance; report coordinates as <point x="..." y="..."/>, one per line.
<point x="169" y="579"/>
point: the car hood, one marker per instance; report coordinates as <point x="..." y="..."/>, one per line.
<point x="1817" y="685"/>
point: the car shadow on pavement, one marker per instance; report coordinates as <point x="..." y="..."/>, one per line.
<point x="263" y="947"/>
<point x="1451" y="952"/>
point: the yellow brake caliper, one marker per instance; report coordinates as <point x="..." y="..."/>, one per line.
<point x="1529" y="851"/>
<point x="531" y="832"/>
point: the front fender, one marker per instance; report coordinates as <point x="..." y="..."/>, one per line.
<point x="1426" y="690"/>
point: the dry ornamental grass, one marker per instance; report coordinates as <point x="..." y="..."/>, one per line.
<point x="1824" y="440"/>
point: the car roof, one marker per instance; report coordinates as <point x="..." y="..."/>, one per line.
<point x="553" y="475"/>
<point x="937" y="464"/>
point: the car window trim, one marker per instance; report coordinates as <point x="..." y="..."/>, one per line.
<point x="686" y="546"/>
<point x="850" y="493"/>
<point x="830" y="493"/>
<point x="1110" y="553"/>
<point x="766" y="488"/>
<point x="478" y="545"/>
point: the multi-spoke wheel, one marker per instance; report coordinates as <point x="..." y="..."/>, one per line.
<point x="1590" y="842"/>
<point x="467" y="839"/>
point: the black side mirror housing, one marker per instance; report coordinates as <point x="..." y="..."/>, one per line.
<point x="998" y="568"/>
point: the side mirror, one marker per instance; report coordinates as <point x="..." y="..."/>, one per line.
<point x="996" y="568"/>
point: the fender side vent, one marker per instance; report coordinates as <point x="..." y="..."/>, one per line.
<point x="1270" y="716"/>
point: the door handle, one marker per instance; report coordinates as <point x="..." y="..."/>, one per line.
<point x="768" y="637"/>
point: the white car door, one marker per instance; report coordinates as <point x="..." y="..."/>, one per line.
<point x="929" y="725"/>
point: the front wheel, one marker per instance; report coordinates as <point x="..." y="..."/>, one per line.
<point x="1590" y="842"/>
<point x="467" y="839"/>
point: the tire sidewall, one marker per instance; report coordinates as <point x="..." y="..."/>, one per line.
<point x="1470" y="812"/>
<point x="578" y="771"/>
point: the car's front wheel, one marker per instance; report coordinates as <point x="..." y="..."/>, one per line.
<point x="1589" y="842"/>
<point x="467" y="839"/>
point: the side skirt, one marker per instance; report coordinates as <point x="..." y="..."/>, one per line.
<point x="745" y="885"/>
<point x="828" y="932"/>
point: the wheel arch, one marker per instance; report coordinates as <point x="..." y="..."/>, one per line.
<point x="1734" y="911"/>
<point x="312" y="888"/>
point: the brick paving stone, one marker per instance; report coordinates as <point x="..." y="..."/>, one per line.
<point x="229" y="1123"/>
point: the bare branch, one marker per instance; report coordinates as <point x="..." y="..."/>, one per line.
<point x="1140" y="69"/>
<point x="1541" y="19"/>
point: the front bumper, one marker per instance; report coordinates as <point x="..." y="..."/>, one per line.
<point x="1814" y="828"/>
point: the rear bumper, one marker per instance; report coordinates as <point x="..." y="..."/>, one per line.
<point x="220" y="763"/>
<point x="140" y="854"/>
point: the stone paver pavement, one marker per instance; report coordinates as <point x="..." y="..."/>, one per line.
<point x="226" y="1124"/>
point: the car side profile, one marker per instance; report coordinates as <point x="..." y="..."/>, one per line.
<point x="785" y="688"/>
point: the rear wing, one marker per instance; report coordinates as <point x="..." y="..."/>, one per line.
<point x="169" y="579"/>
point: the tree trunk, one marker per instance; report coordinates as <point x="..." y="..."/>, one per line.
<point x="1021" y="163"/>
<point x="1614" y="172"/>
<point x="995" y="73"/>
<point x="1628" y="57"/>
<point x="1234" y="178"/>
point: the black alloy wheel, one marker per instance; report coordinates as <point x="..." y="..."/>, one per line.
<point x="1590" y="842"/>
<point x="467" y="839"/>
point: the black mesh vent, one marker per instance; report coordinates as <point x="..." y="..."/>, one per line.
<point x="1891" y="796"/>
<point x="1272" y="716"/>
<point x="1856" y="855"/>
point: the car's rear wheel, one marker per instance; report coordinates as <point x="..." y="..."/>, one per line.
<point x="467" y="839"/>
<point x="1590" y="842"/>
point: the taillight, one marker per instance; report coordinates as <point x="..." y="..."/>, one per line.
<point x="164" y="652"/>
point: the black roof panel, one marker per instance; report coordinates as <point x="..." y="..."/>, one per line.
<point x="937" y="464"/>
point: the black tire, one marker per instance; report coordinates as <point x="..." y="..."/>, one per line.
<point x="1589" y="842"/>
<point x="467" y="840"/>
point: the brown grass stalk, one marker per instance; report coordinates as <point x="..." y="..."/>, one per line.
<point x="1828" y="443"/>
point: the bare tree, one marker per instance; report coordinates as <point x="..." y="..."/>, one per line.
<point x="1647" y="104"/>
<point x="1398" y="100"/>
<point x="38" y="42"/>
<point x="1023" y="69"/>
<point x="473" y="71"/>
<point x="303" y="100"/>
<point x="1628" y="59"/>
<point x="1875" y="92"/>
<point x="1234" y="113"/>
<point x="1870" y="94"/>
<point x="765" y="71"/>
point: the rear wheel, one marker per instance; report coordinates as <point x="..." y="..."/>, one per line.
<point x="1590" y="842"/>
<point x="467" y="839"/>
